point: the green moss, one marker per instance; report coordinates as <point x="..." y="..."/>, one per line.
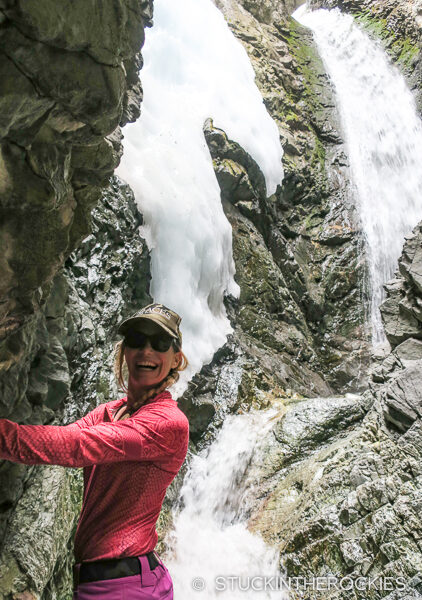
<point x="309" y="64"/>
<point x="402" y="50"/>
<point x="373" y="25"/>
<point x="314" y="219"/>
<point x="312" y="97"/>
<point x="318" y="155"/>
<point x="406" y="52"/>
<point x="291" y="116"/>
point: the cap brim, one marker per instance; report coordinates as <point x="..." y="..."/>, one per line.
<point x="126" y="325"/>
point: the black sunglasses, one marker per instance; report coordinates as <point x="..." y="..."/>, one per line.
<point x="159" y="342"/>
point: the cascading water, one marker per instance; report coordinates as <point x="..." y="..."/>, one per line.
<point x="194" y="69"/>
<point x="383" y="134"/>
<point x="212" y="550"/>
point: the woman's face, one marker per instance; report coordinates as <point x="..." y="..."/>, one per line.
<point x="148" y="367"/>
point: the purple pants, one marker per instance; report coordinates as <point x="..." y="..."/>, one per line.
<point x="148" y="585"/>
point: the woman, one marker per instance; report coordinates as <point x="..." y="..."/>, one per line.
<point x="131" y="449"/>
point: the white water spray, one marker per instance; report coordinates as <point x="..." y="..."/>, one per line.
<point x="194" y="69"/>
<point x="210" y="541"/>
<point x="383" y="134"/>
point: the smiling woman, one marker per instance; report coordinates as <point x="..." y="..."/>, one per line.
<point x="149" y="356"/>
<point x="131" y="450"/>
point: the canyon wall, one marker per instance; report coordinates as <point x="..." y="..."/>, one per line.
<point x="340" y="484"/>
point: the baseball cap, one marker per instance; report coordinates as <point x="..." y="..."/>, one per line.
<point x="166" y="318"/>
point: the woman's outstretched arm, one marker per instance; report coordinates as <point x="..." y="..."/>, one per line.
<point x="151" y="436"/>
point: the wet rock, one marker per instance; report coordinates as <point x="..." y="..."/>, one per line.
<point x="408" y="351"/>
<point x="401" y="311"/>
<point x="70" y="373"/>
<point x="307" y="425"/>
<point x="402" y="398"/>
<point x="348" y="504"/>
<point x="69" y="78"/>
<point x="313" y="421"/>
<point x="309" y="226"/>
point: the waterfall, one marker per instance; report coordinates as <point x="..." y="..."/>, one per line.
<point x="212" y="551"/>
<point x="383" y="135"/>
<point x="194" y="69"/>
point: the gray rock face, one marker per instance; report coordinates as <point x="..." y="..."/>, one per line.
<point x="340" y="495"/>
<point x="105" y="280"/>
<point x="307" y="425"/>
<point x="400" y="372"/>
<point x="298" y="253"/>
<point x="402" y="398"/>
<point x="402" y="311"/>
<point x="69" y="80"/>
<point x="268" y="314"/>
<point x="339" y="480"/>
<point x="36" y="544"/>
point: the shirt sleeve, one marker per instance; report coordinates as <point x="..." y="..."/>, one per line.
<point x="81" y="445"/>
<point x="94" y="417"/>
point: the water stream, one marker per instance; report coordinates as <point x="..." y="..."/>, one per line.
<point x="383" y="135"/>
<point x="214" y="555"/>
<point x="194" y="69"/>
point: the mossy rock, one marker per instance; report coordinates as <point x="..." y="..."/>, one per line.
<point x="403" y="50"/>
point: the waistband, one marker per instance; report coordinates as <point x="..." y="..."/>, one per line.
<point x="114" y="568"/>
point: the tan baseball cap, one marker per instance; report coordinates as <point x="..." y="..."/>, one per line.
<point x="166" y="318"/>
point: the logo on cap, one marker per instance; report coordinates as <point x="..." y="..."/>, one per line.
<point x="157" y="310"/>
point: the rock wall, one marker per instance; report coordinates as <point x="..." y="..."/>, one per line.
<point x="71" y="372"/>
<point x="309" y="226"/>
<point x="341" y="497"/>
<point x="341" y="481"/>
<point x="299" y="321"/>
<point x="69" y="76"/>
<point x="69" y="81"/>
<point x="402" y="318"/>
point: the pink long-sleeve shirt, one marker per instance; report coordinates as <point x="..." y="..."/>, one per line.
<point x="128" y="466"/>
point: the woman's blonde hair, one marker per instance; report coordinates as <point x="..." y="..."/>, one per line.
<point x="121" y="372"/>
